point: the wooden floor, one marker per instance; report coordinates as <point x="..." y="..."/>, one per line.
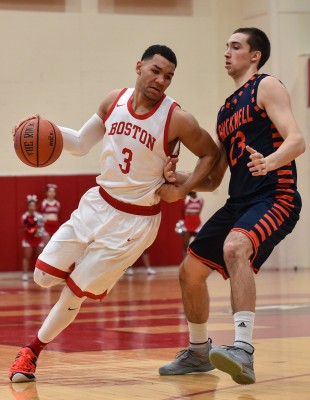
<point x="114" y="349"/>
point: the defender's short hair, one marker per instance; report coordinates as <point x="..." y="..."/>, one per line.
<point x="257" y="40"/>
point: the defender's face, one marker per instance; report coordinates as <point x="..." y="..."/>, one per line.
<point x="238" y="55"/>
<point x="154" y="76"/>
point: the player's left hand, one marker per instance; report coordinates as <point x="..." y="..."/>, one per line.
<point x="258" y="164"/>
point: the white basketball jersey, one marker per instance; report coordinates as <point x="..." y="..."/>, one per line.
<point x="135" y="149"/>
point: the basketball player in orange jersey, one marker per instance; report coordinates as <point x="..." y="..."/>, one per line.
<point x="117" y="220"/>
<point x="259" y="139"/>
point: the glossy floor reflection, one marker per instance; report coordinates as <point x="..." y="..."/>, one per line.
<point x="114" y="349"/>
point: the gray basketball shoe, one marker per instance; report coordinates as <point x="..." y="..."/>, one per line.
<point x="188" y="361"/>
<point x="236" y="362"/>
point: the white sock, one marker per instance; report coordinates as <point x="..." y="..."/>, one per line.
<point x="61" y="315"/>
<point x="244" y="324"/>
<point x="198" y="335"/>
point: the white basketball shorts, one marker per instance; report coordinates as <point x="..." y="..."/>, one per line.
<point x="100" y="242"/>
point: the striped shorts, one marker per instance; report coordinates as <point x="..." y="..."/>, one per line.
<point x="266" y="219"/>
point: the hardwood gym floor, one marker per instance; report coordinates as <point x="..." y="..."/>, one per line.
<point x="114" y="349"/>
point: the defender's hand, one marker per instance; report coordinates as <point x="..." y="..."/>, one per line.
<point x="258" y="164"/>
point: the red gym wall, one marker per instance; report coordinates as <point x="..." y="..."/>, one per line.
<point x="166" y="250"/>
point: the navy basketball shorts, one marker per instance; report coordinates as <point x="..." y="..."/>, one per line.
<point x="266" y="220"/>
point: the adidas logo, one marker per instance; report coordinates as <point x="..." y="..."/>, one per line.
<point x="242" y="325"/>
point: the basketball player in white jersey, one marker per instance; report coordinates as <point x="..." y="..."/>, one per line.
<point x="118" y="219"/>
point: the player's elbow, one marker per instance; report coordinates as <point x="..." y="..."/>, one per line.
<point x="79" y="153"/>
<point x="298" y="145"/>
<point x="77" y="150"/>
<point x="214" y="183"/>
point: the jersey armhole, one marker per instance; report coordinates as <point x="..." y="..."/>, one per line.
<point x="176" y="150"/>
<point x="114" y="104"/>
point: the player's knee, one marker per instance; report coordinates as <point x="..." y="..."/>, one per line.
<point x="45" y="280"/>
<point x="192" y="272"/>
<point x="70" y="300"/>
<point x="233" y="252"/>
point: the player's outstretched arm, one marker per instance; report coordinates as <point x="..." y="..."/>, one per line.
<point x="75" y="142"/>
<point x="80" y="142"/>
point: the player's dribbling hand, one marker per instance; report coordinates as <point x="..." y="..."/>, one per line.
<point x="15" y="127"/>
<point x="169" y="170"/>
<point x="258" y="164"/>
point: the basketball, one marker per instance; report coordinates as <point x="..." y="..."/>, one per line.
<point x="38" y="142"/>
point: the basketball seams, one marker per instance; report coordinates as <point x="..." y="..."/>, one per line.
<point x="54" y="147"/>
<point x="21" y="140"/>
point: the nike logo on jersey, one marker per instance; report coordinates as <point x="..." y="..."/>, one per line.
<point x="130" y="240"/>
<point x="71" y="309"/>
<point x="120" y="105"/>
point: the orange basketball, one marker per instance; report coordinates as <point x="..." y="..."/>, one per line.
<point x="38" y="142"/>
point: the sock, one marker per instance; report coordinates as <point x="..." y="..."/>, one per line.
<point x="244" y="324"/>
<point x="36" y="345"/>
<point x="198" y="335"/>
<point x="60" y="316"/>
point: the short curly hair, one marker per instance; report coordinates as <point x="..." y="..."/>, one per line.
<point x="162" y="50"/>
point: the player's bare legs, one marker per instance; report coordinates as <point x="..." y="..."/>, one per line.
<point x="237" y="360"/>
<point x="195" y="295"/>
<point x="237" y="252"/>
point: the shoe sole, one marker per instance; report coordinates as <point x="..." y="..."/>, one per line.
<point x="226" y="364"/>
<point x="185" y="371"/>
<point x="19" y="377"/>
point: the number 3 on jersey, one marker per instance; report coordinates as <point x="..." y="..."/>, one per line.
<point x="126" y="161"/>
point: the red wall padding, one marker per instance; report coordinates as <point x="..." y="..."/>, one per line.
<point x="166" y="250"/>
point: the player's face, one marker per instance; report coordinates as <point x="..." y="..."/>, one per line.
<point x="238" y="57"/>
<point x="154" y="76"/>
